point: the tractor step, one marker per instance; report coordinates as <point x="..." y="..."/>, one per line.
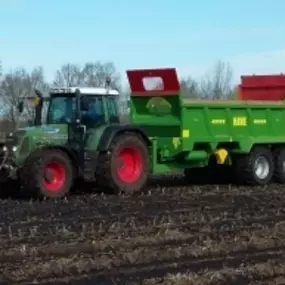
<point x="89" y="167"/>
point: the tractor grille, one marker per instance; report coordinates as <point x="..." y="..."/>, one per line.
<point x="13" y="139"/>
<point x="25" y="146"/>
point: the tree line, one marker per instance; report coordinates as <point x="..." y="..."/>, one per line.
<point x="19" y="83"/>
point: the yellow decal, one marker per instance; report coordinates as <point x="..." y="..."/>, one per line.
<point x="218" y="121"/>
<point x="176" y="142"/>
<point x="221" y="155"/>
<point x="239" y="121"/>
<point x="36" y="100"/>
<point x="260" y="121"/>
<point x="185" y="133"/>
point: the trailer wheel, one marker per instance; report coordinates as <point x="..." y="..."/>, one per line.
<point x="279" y="162"/>
<point x="125" y="168"/>
<point x="48" y="173"/>
<point x="255" y="168"/>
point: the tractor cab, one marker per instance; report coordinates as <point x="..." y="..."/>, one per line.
<point x="90" y="107"/>
<point x="70" y="105"/>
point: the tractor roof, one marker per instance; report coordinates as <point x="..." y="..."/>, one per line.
<point x="84" y="90"/>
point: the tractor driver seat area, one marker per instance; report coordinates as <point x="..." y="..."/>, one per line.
<point x="93" y="113"/>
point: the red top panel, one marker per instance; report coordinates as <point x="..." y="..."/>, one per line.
<point x="168" y="83"/>
<point x="262" y="87"/>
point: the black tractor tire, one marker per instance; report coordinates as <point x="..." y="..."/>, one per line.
<point x="48" y="173"/>
<point x="129" y="153"/>
<point x="245" y="167"/>
<point x="279" y="163"/>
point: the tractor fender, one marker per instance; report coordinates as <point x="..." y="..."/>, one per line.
<point x="112" y="131"/>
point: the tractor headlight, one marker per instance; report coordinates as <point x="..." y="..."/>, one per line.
<point x="14" y="148"/>
<point x="4" y="148"/>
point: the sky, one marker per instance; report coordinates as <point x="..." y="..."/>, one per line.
<point x="188" y="35"/>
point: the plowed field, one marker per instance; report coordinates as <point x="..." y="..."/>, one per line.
<point x="172" y="234"/>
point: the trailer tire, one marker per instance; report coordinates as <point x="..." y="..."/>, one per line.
<point x="48" y="173"/>
<point x="125" y="167"/>
<point x="255" y="168"/>
<point x="279" y="163"/>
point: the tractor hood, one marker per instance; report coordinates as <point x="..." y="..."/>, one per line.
<point x="21" y="142"/>
<point x="45" y="129"/>
<point x="53" y="134"/>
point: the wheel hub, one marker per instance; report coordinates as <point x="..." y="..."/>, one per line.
<point x="48" y="175"/>
<point x="121" y="163"/>
<point x="261" y="167"/>
<point x="130" y="165"/>
<point x="54" y="176"/>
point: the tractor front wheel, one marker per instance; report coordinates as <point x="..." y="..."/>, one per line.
<point x="48" y="173"/>
<point x="125" y="167"/>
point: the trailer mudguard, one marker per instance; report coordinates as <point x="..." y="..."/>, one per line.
<point x="113" y="130"/>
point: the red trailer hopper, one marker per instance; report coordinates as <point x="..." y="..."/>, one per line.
<point x="165" y="82"/>
<point x="262" y="87"/>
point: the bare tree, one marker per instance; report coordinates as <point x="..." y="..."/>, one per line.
<point x="95" y="74"/>
<point x="90" y="75"/>
<point x="19" y="84"/>
<point x="68" y="75"/>
<point x="218" y="83"/>
<point x="189" y="88"/>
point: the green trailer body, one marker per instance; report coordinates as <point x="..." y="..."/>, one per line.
<point x="186" y="133"/>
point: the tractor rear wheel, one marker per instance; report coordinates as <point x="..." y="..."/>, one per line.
<point x="125" y="168"/>
<point x="48" y="173"/>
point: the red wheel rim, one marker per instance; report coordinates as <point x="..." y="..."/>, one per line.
<point x="132" y="165"/>
<point x="57" y="176"/>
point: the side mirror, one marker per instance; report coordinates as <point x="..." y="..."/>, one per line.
<point x="20" y="107"/>
<point x="38" y="93"/>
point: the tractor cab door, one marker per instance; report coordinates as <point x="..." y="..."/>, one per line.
<point x="76" y="131"/>
<point x="92" y="112"/>
<point x="92" y="115"/>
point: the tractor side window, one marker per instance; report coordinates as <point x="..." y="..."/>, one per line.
<point x="112" y="107"/>
<point x="94" y="114"/>
<point x="61" y="110"/>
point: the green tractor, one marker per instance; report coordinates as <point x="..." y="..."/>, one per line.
<point x="82" y="140"/>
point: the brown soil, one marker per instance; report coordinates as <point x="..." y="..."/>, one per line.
<point x="172" y="234"/>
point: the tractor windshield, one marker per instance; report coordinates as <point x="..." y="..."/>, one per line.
<point x="61" y="110"/>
